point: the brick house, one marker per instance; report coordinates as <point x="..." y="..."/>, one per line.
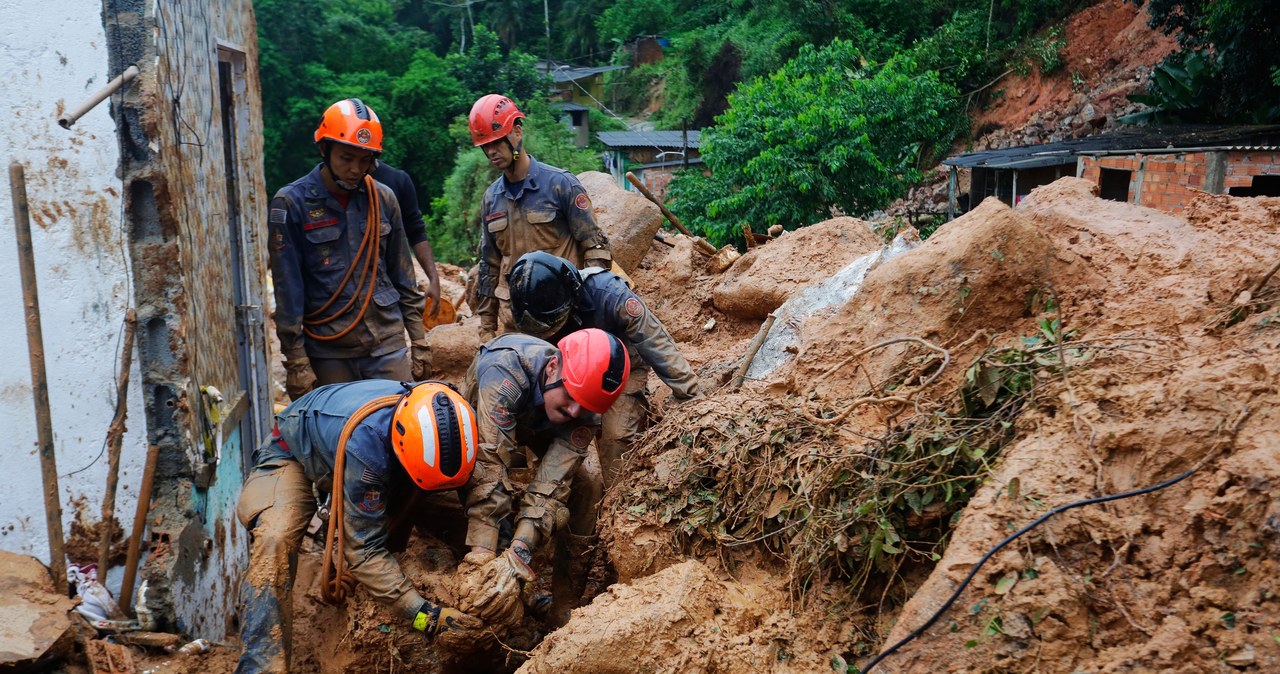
<point x="1158" y="167"/>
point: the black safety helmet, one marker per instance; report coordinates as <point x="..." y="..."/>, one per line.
<point x="544" y="293"/>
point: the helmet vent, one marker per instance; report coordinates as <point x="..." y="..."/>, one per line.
<point x="362" y="110"/>
<point x="450" y="437"/>
<point x="613" y="375"/>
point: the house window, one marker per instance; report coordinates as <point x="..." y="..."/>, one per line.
<point x="1263" y="186"/>
<point x="1114" y="184"/>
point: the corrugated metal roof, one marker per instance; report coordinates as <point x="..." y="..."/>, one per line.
<point x="658" y="139"/>
<point x="1148" y="140"/>
<point x="562" y="74"/>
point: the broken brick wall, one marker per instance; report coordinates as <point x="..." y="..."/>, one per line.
<point x="191" y="134"/>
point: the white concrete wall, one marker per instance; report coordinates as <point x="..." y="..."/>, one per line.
<point x="52" y="55"/>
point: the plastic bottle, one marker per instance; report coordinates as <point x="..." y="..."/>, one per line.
<point x="195" y="647"/>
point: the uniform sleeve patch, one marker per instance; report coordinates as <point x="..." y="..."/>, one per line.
<point x="508" y="390"/>
<point x="634" y="307"/>
<point x="581" y="437"/>
<point x="277" y="241"/>
<point x="372" y="502"/>
<point x="582" y="202"/>
<point x="503" y="418"/>
<point x="278" y="216"/>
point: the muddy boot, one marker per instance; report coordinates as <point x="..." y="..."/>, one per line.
<point x="574" y="556"/>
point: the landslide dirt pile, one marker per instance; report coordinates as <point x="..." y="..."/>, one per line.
<point x="1075" y="347"/>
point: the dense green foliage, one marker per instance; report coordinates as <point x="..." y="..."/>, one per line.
<point x="822" y="132"/>
<point x="807" y="106"/>
<point x="1228" y="68"/>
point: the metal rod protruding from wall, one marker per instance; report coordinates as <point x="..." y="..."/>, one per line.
<point x="99" y="96"/>
<point x="39" y="380"/>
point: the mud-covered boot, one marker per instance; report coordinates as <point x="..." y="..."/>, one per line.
<point x="574" y="556"/>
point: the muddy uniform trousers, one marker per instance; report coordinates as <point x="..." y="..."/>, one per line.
<point x="395" y="366"/>
<point x="276" y="504"/>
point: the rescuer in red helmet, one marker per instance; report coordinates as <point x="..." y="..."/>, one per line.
<point x="529" y="393"/>
<point x="531" y="206"/>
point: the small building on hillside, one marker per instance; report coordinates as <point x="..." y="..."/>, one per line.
<point x="577" y="84"/>
<point x="1159" y="167"/>
<point x="653" y="156"/>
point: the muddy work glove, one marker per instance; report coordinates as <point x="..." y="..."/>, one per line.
<point x="298" y="377"/>
<point x="496" y="593"/>
<point x="421" y="358"/>
<point x="432" y="620"/>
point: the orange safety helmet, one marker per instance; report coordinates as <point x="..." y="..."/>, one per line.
<point x="433" y="433"/>
<point x="594" y="368"/>
<point x="492" y="118"/>
<point x="353" y="123"/>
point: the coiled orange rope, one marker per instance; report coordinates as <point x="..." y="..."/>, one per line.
<point x="367" y="280"/>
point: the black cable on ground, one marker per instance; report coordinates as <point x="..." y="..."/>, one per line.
<point x="1014" y="536"/>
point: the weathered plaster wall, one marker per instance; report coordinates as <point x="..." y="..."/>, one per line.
<point x="51" y="57"/>
<point x="188" y="218"/>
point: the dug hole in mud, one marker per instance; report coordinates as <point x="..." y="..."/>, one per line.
<point x="915" y="404"/>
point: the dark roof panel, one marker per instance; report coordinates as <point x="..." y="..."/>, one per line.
<point x="1131" y="139"/>
<point x="657" y="139"/>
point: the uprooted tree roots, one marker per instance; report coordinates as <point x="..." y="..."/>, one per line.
<point x="820" y="493"/>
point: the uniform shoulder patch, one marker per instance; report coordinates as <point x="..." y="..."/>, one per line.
<point x="278" y="216"/>
<point x="634" y="307"/>
<point x="581" y="437"/>
<point x="582" y="201"/>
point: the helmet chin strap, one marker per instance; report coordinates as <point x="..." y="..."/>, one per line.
<point x="515" y="149"/>
<point x="349" y="187"/>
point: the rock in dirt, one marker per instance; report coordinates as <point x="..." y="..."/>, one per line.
<point x="627" y="218"/>
<point x="453" y="346"/>
<point x="683" y="619"/>
<point x="762" y="279"/>
<point x="35" y="629"/>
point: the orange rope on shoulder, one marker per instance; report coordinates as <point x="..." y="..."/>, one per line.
<point x="368" y="253"/>
<point x="335" y="581"/>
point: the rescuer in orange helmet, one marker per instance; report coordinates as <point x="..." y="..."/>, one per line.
<point x="376" y="442"/>
<point x="345" y="287"/>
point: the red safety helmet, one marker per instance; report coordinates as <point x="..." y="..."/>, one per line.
<point x="594" y="368"/>
<point x="492" y="118"/>
<point x="434" y="435"/>
<point x="353" y="123"/>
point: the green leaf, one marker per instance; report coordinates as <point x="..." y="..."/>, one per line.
<point x="1006" y="582"/>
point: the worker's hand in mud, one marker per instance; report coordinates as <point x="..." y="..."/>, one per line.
<point x="493" y="593"/>
<point x="421" y="359"/>
<point x="299" y="379"/>
<point x="463" y="634"/>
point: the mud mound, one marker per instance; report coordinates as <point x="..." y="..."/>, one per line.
<point x="684" y="619"/>
<point x="1175" y="581"/>
<point x="35" y="629"/>
<point x="762" y="279"/>
<point x="674" y="284"/>
<point x="987" y="270"/>
<point x="627" y="218"/>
